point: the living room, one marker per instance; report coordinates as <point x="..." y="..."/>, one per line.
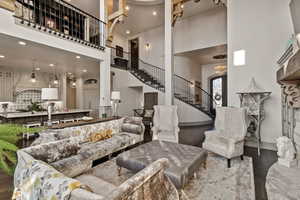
<point x="180" y="99"/>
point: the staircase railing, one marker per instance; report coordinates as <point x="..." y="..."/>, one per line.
<point x="61" y="19"/>
<point x="154" y="76"/>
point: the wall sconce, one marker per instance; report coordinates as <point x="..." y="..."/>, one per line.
<point x="239" y="58"/>
<point x="147" y="46"/>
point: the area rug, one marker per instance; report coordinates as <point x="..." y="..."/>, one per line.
<point x="216" y="182"/>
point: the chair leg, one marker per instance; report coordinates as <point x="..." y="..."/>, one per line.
<point x="228" y="163"/>
<point x="242" y="157"/>
<point x="119" y="171"/>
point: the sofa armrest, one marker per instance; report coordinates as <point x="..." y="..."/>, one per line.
<point x="81" y="194"/>
<point x="139" y="182"/>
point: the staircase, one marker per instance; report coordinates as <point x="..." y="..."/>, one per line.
<point x="184" y="90"/>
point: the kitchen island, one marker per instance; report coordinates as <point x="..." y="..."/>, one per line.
<point x="25" y="117"/>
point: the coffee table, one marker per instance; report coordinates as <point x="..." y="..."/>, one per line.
<point x="184" y="160"/>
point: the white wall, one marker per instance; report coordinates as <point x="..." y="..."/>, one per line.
<point x="262" y="28"/>
<point x="204" y="30"/>
<point x="130" y="96"/>
<point x="187" y="67"/>
<point x="201" y="31"/>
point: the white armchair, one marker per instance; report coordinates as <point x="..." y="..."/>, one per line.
<point x="165" y="123"/>
<point x="228" y="137"/>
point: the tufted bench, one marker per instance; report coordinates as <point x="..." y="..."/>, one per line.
<point x="184" y="159"/>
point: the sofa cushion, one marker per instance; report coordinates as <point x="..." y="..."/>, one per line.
<point x="133" y="120"/>
<point x="132" y="128"/>
<point x="53" y="151"/>
<point x="74" y="165"/>
<point x="96" y="184"/>
<point x="105" y="147"/>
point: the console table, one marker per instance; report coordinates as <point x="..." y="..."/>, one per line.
<point x="253" y="100"/>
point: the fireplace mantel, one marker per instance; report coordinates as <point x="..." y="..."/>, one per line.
<point x="290" y="74"/>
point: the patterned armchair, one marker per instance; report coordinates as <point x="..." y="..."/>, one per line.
<point x="228" y="137"/>
<point x="165" y="122"/>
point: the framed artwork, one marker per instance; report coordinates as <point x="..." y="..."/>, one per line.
<point x="119" y="51"/>
<point x="8" y="5"/>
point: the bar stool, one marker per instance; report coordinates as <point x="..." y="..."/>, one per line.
<point x="67" y="120"/>
<point x="78" y="119"/>
<point x="53" y="122"/>
<point x="28" y="125"/>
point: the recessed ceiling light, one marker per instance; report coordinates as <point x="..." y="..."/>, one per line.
<point x="51" y="65"/>
<point x="127" y="32"/>
<point x="78" y="57"/>
<point x="154" y="13"/>
<point x="127" y="8"/>
<point x="37" y="69"/>
<point x="2" y="56"/>
<point x="22" y="43"/>
<point x="84" y="70"/>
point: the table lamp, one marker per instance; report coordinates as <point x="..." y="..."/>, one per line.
<point x="115" y="97"/>
<point x="49" y="94"/>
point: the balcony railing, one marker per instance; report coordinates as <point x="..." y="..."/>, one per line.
<point x="61" y="19"/>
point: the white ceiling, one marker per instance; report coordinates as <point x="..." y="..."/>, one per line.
<point x="19" y="57"/>
<point x="140" y="16"/>
<point x="205" y="56"/>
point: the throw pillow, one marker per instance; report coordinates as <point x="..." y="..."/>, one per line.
<point x="132" y="128"/>
<point x="133" y="120"/>
<point x="102" y="135"/>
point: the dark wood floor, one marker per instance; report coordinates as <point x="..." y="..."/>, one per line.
<point x="261" y="165"/>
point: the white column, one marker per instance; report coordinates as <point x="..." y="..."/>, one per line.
<point x="105" y="82"/>
<point x="64" y="90"/>
<point x="79" y="93"/>
<point x="169" y="62"/>
<point x="104" y="70"/>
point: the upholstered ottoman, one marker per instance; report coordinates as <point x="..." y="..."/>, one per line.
<point x="184" y="160"/>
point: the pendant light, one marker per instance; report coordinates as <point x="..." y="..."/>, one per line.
<point x="33" y="75"/>
<point x="55" y="81"/>
<point x="33" y="78"/>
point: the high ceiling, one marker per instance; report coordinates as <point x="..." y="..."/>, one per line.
<point x="140" y="17"/>
<point x="23" y="57"/>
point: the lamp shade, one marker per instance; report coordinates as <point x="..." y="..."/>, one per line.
<point x="115" y="95"/>
<point x="49" y="94"/>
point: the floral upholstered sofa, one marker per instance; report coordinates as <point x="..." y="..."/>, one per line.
<point x="36" y="180"/>
<point x="70" y="150"/>
<point x="56" y="166"/>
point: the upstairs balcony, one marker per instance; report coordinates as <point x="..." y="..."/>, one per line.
<point x="61" y="19"/>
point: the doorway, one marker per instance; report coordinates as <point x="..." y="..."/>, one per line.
<point x="218" y="89"/>
<point x="134" y="50"/>
<point x="150" y="100"/>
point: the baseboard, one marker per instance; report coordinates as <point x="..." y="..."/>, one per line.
<point x="263" y="145"/>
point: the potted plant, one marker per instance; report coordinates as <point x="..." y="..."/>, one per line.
<point x="10" y="134"/>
